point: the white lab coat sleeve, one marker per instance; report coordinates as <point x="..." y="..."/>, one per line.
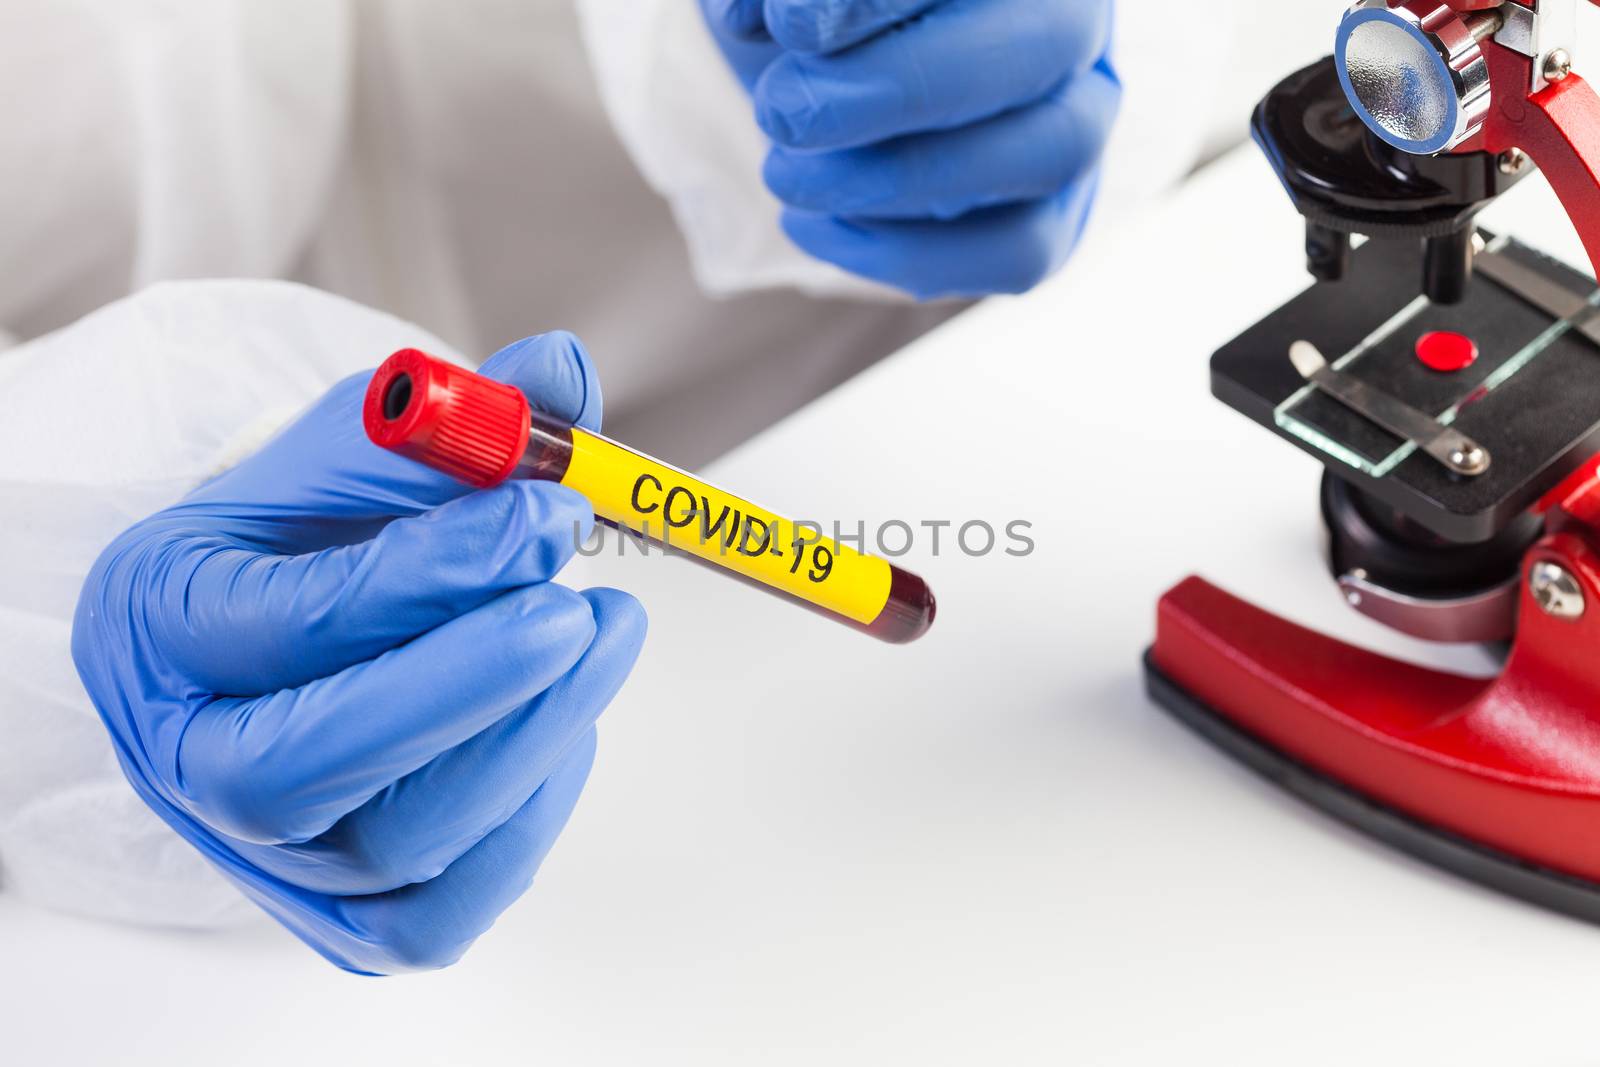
<point x="1191" y="84"/>
<point x="690" y="128"/>
<point x="107" y="421"/>
<point x="687" y="123"/>
<point x="144" y="140"/>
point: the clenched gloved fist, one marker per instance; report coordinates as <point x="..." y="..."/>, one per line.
<point x="352" y="684"/>
<point x="945" y="147"/>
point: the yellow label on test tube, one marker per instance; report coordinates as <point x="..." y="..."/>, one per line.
<point x="667" y="505"/>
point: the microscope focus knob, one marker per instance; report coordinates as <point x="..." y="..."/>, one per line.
<point x="1416" y="74"/>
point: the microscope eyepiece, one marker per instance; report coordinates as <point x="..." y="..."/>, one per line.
<point x="1415" y="74"/>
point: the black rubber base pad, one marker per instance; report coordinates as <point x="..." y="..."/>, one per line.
<point x="1452" y="852"/>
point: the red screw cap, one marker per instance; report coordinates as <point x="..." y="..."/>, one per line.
<point x="472" y="428"/>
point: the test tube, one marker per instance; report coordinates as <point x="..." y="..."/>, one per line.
<point x="483" y="432"/>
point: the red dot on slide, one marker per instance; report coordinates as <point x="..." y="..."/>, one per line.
<point x="1446" y="351"/>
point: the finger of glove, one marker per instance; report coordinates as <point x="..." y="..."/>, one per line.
<point x="738" y="31"/>
<point x="739" y="19"/>
<point x="322" y="482"/>
<point x="286" y="767"/>
<point x="238" y="622"/>
<point x="1028" y="154"/>
<point x="964" y="61"/>
<point x="431" y="925"/>
<point x="413" y="830"/>
<point x="821" y="26"/>
<point x="997" y="250"/>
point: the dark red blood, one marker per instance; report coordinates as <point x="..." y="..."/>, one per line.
<point x="1446" y="351"/>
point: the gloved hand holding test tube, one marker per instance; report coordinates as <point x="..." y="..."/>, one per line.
<point x="483" y="432"/>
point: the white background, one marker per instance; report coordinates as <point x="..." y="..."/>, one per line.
<point x="801" y="846"/>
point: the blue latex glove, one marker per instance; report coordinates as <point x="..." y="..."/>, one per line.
<point x="945" y="147"/>
<point x="351" y="684"/>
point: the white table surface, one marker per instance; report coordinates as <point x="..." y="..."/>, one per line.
<point x="801" y="846"/>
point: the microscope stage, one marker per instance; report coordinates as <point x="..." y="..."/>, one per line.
<point x="1531" y="399"/>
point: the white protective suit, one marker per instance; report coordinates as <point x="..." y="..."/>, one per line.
<point x="485" y="169"/>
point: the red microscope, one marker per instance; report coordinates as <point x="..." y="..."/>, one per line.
<point x="1449" y="381"/>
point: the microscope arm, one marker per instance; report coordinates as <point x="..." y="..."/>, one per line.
<point x="1482" y="5"/>
<point x="1559" y="128"/>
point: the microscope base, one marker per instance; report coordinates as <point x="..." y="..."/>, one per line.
<point x="1445" y="768"/>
